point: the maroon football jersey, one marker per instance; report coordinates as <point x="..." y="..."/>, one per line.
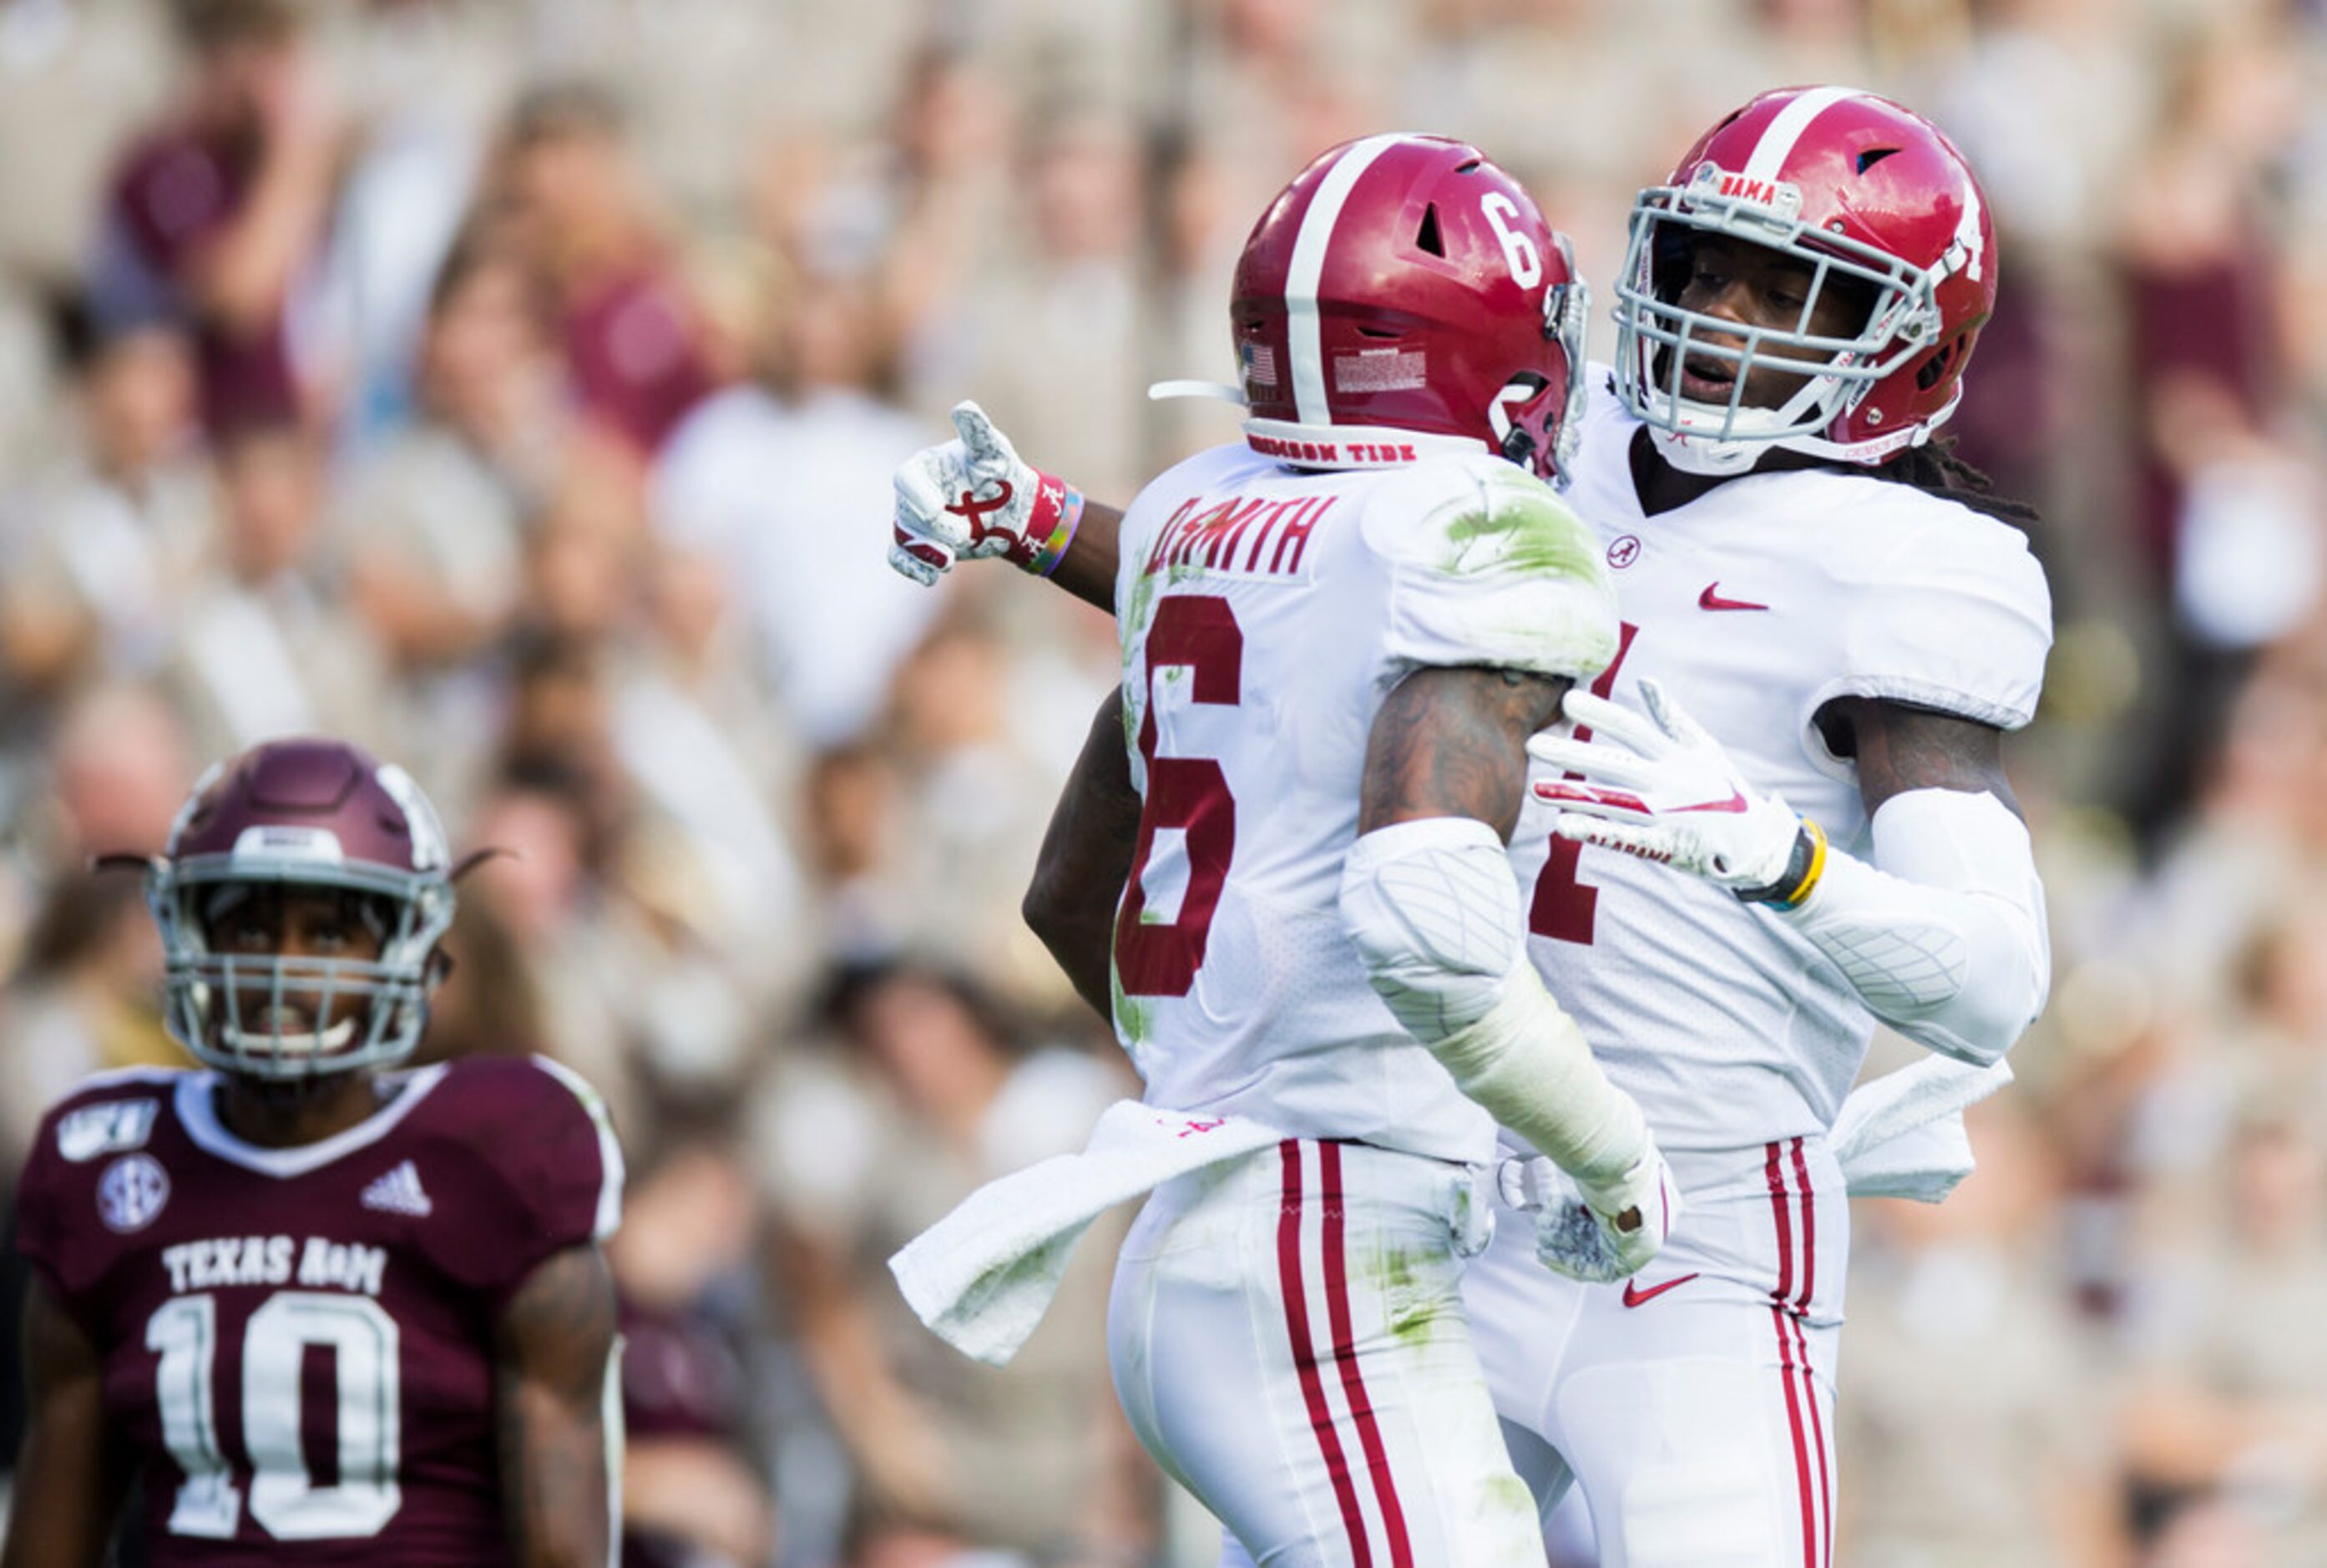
<point x="297" y="1342"/>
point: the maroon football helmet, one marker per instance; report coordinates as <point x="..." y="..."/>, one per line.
<point x="308" y="814"/>
<point x="1857" y="188"/>
<point x="1404" y="294"/>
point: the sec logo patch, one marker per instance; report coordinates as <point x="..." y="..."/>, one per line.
<point x="131" y="1192"/>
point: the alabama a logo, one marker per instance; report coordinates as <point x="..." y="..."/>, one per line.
<point x="131" y="1192"/>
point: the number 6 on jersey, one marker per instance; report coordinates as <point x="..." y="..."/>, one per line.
<point x="1189" y="794"/>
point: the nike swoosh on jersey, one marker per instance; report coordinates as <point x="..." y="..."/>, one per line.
<point x="1634" y="1296"/>
<point x="1711" y="599"/>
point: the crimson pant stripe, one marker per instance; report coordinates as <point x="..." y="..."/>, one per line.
<point x="1785" y="1226"/>
<point x="1353" y="1384"/>
<point x="1801" y="1446"/>
<point x="1809" y="1229"/>
<point x="1305" y="1354"/>
<point x="1818" y="1438"/>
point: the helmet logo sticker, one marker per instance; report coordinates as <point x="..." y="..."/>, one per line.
<point x="131" y="1193"/>
<point x="289" y="841"/>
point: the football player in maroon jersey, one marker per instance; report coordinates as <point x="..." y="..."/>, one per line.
<point x="324" y="1311"/>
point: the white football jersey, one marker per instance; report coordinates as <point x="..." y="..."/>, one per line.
<point x="1264" y="615"/>
<point x="1756" y="604"/>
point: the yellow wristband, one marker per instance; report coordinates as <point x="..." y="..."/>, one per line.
<point x="1794" y="897"/>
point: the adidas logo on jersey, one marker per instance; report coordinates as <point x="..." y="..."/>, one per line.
<point x="399" y="1192"/>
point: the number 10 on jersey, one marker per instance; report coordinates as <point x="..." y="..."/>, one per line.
<point x="284" y="1498"/>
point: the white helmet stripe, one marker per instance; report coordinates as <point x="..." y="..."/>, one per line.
<point x="1777" y="143"/>
<point x="1308" y="266"/>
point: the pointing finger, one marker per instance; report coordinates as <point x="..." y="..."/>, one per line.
<point x="979" y="438"/>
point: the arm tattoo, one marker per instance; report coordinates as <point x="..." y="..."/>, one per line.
<point x="1900" y="748"/>
<point x="1452" y="743"/>
<point x="551" y="1345"/>
<point x="1085" y="856"/>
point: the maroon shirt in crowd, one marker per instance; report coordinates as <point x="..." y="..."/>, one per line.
<point x="297" y="1342"/>
<point x="173" y="194"/>
<point x="2214" y="320"/>
<point x="631" y="345"/>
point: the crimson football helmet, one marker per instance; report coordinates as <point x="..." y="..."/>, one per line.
<point x="1404" y="294"/>
<point x="310" y="814"/>
<point x="1865" y="193"/>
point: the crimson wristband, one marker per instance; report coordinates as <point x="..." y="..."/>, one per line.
<point x="1050" y="524"/>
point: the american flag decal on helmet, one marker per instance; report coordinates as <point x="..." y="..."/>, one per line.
<point x="1259" y="363"/>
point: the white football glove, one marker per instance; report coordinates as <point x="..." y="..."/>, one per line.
<point x="974" y="497"/>
<point x="1578" y="1230"/>
<point x="1662" y="788"/>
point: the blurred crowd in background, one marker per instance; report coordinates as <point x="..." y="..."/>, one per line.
<point x="512" y="387"/>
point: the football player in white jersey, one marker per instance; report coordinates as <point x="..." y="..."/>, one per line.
<point x="1829" y="627"/>
<point x="1337" y="636"/>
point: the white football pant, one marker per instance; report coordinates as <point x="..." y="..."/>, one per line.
<point x="1287" y="1338"/>
<point x="1694" y="1402"/>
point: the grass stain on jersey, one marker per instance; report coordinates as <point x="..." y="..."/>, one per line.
<point x="1523" y="529"/>
<point x="1506" y="1493"/>
<point x="1135" y="1020"/>
<point x="1560" y="616"/>
<point x="1412" y="1309"/>
<point x="1140" y="611"/>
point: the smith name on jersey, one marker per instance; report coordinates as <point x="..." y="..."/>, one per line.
<point x="1265" y="614"/>
<point x="297" y="1342"/>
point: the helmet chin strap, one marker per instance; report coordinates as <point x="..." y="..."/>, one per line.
<point x="1699" y="454"/>
<point x="1711" y="458"/>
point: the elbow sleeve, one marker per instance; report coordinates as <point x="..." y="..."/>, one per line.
<point x="1433" y="909"/>
<point x="1943" y="936"/>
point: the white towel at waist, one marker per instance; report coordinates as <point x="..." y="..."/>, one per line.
<point x="982" y="1277"/>
<point x="1901" y="1136"/>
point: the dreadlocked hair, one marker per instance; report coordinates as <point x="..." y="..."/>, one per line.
<point x="1934" y="467"/>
